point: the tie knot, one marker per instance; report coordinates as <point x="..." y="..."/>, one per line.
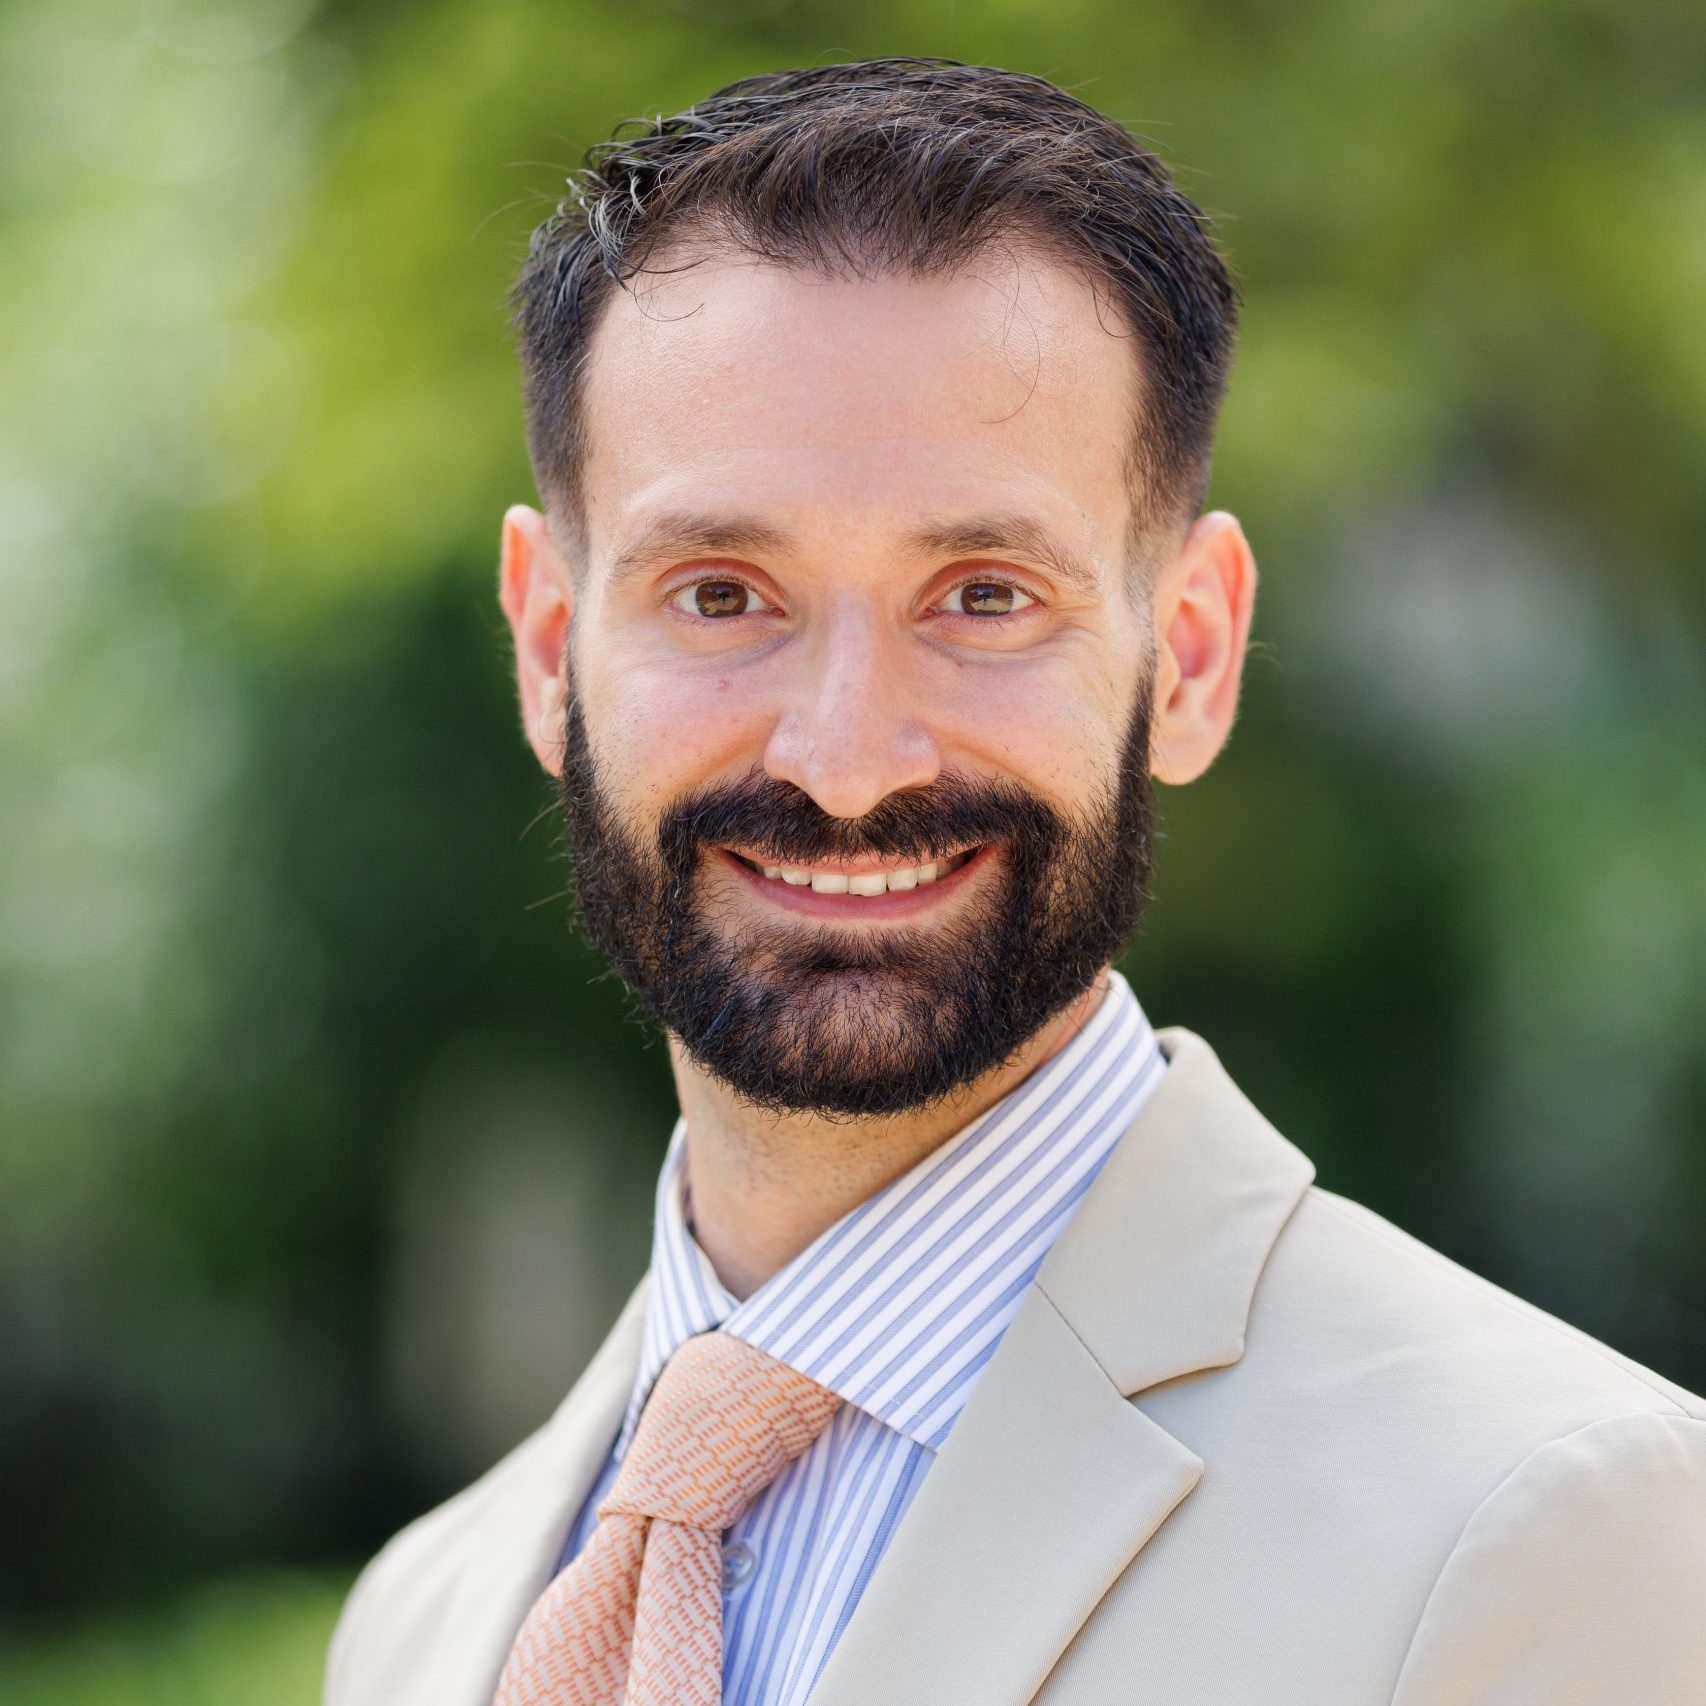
<point x="722" y="1422"/>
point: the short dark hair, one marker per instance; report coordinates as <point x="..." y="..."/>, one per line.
<point x="907" y="165"/>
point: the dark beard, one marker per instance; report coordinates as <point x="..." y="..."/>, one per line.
<point x="810" y="1018"/>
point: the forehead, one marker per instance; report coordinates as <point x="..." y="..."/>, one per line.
<point x="859" y="401"/>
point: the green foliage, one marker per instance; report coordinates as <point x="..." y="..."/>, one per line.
<point x="255" y="1642"/>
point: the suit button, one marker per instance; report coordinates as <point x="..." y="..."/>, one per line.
<point x="739" y="1561"/>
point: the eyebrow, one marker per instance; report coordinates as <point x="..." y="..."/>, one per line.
<point x="1004" y="535"/>
<point x="680" y="534"/>
<point x="684" y="534"/>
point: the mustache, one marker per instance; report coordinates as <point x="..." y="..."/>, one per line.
<point x="785" y="825"/>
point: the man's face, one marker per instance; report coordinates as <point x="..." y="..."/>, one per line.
<point x="856" y="764"/>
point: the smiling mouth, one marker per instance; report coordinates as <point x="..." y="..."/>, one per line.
<point x="867" y="881"/>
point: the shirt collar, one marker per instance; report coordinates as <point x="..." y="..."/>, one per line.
<point x="897" y="1305"/>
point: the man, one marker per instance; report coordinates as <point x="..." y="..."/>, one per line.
<point x="995" y="1348"/>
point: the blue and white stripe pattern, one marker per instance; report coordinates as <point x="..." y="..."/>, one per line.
<point x="897" y="1307"/>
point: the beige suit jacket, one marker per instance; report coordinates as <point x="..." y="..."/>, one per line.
<point x="1244" y="1442"/>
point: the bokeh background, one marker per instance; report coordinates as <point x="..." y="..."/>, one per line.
<point x="325" y="1154"/>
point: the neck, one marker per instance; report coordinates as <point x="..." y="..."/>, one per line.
<point x="766" y="1185"/>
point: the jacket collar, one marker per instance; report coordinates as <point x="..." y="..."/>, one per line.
<point x="1157" y="1270"/>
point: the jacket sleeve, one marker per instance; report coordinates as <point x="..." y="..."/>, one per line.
<point x="1579" y="1581"/>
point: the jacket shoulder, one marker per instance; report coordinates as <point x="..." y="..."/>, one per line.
<point x="1580" y="1578"/>
<point x="1459" y="1332"/>
<point x="1377" y="1367"/>
<point x="1405" y="1443"/>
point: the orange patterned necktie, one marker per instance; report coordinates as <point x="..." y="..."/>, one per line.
<point x="637" y="1618"/>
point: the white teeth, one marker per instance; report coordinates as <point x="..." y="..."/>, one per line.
<point x="869" y="882"/>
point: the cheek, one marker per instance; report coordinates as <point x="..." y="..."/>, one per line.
<point x="660" y="730"/>
<point x="1047" y="727"/>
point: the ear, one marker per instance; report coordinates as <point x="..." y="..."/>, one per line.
<point x="537" y="595"/>
<point x="1204" y="600"/>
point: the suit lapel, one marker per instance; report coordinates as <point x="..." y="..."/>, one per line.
<point x="1157" y="1269"/>
<point x="1053" y="1480"/>
<point x="518" y="1532"/>
<point x="1046" y="1489"/>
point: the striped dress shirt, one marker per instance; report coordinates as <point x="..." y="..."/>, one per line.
<point x="897" y="1308"/>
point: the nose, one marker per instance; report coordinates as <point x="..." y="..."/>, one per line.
<point x="850" y="733"/>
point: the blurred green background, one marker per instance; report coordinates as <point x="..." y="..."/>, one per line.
<point x="324" y="1155"/>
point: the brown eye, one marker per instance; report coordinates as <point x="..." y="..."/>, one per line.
<point x="720" y="598"/>
<point x="987" y="598"/>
